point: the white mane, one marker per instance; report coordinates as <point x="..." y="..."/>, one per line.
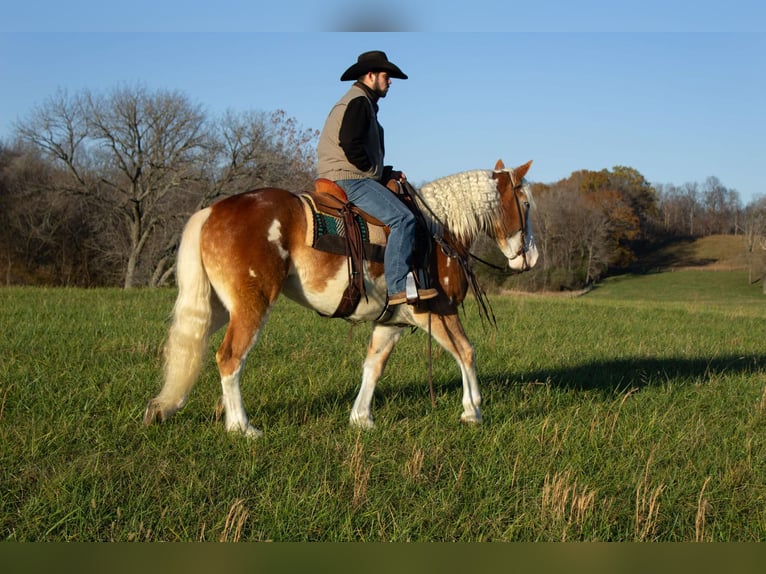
<point x="466" y="203"/>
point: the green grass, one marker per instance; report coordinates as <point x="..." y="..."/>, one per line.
<point x="728" y="290"/>
<point x="637" y="412"/>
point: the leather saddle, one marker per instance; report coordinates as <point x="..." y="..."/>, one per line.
<point x="330" y="195"/>
<point x="328" y="198"/>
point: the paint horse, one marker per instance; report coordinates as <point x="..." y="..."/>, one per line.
<point x="239" y="254"/>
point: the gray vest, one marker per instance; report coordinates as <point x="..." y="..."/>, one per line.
<point x="332" y="161"/>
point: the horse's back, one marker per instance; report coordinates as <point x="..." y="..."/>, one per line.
<point x="255" y="209"/>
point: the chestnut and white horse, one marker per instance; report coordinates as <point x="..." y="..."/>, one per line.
<point x="239" y="254"/>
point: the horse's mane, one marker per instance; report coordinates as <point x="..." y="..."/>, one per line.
<point x="466" y="203"/>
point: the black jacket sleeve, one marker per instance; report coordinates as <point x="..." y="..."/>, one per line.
<point x="353" y="132"/>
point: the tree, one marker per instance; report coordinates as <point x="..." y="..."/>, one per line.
<point x="637" y="193"/>
<point x="43" y="237"/>
<point x="754" y="231"/>
<point x="146" y="160"/>
<point x="572" y="236"/>
<point x="620" y="223"/>
<point x="721" y="207"/>
<point x="258" y="149"/>
<point x="146" y="151"/>
<point x="127" y="150"/>
<point x="245" y="151"/>
<point x="626" y="203"/>
<point x="590" y="222"/>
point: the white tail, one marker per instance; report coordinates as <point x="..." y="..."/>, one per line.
<point x="189" y="332"/>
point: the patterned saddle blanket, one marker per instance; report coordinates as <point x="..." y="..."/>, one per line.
<point x="326" y="229"/>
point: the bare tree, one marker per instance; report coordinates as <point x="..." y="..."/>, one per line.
<point x="147" y="149"/>
<point x="754" y="231"/>
<point x="721" y="207"/>
<point x="243" y="151"/>
<point x="690" y="202"/>
<point x="573" y="236"/>
<point x="59" y="128"/>
<point x="146" y="160"/>
<point x="258" y="149"/>
<point x="131" y="151"/>
<point x="43" y="237"/>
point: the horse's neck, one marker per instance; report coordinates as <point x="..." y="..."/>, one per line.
<point x="466" y="203"/>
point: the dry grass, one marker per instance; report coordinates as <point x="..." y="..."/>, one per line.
<point x="703" y="505"/>
<point x="360" y="473"/>
<point x="413" y="468"/>
<point x="565" y="504"/>
<point x="235" y="522"/>
<point x="647" y="504"/>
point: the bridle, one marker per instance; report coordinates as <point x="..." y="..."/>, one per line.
<point x="523" y="216"/>
<point x="523" y="211"/>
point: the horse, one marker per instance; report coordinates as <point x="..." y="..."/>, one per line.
<point x="237" y="255"/>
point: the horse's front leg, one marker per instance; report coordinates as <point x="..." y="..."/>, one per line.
<point x="448" y="332"/>
<point x="382" y="342"/>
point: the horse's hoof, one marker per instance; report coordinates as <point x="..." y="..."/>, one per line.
<point x="252" y="432"/>
<point x="153" y="414"/>
<point x="470" y="418"/>
<point x="248" y="431"/>
<point x="365" y="423"/>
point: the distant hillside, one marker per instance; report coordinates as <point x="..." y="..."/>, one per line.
<point x="716" y="253"/>
<point x="680" y="272"/>
<point x="712" y="253"/>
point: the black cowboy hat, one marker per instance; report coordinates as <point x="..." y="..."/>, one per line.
<point x="375" y="61"/>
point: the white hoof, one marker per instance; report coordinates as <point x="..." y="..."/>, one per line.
<point x="248" y="430"/>
<point x="361" y="422"/>
<point x="252" y="432"/>
<point x="471" y="418"/>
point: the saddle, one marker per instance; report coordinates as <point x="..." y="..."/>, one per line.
<point x="337" y="226"/>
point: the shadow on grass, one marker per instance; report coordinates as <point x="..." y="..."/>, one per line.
<point x="679" y="252"/>
<point x="619" y="374"/>
<point x="609" y="378"/>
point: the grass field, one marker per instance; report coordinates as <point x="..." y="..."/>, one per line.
<point x="636" y="412"/>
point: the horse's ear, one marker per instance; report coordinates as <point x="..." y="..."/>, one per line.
<point x="499" y="166"/>
<point x="522" y="170"/>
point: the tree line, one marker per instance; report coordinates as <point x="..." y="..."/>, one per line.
<point x="594" y="223"/>
<point x="95" y="189"/>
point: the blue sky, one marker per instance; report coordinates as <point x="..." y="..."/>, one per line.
<point x="674" y="90"/>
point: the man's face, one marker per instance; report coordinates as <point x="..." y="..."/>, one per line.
<point x="380" y="83"/>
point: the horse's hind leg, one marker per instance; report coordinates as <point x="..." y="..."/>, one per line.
<point x="241" y="335"/>
<point x="382" y="342"/>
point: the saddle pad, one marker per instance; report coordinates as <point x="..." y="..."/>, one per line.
<point x="326" y="232"/>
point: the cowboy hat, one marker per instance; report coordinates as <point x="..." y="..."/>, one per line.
<point x="375" y="61"/>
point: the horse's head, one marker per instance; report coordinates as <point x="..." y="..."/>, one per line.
<point x="513" y="230"/>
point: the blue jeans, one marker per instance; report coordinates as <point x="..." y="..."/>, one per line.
<point x="378" y="201"/>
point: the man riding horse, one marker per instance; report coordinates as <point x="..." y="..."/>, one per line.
<point x="351" y="153"/>
<point x="238" y="255"/>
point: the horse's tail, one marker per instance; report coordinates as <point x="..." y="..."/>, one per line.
<point x="190" y="328"/>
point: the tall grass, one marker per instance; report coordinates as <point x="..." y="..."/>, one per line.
<point x="637" y="412"/>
